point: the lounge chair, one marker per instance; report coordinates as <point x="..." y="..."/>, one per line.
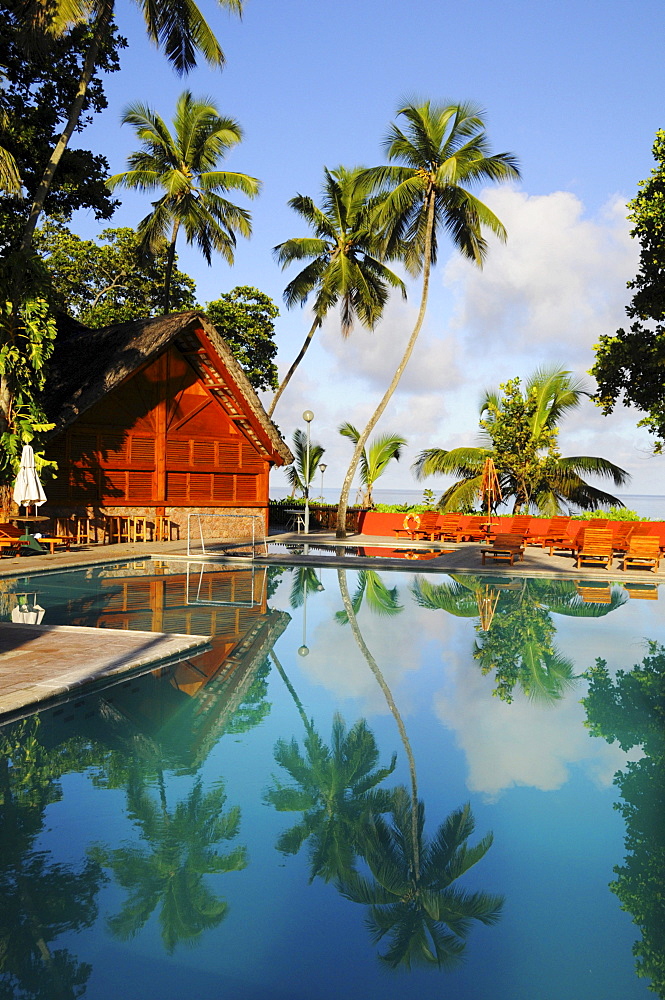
<point x="643" y="552"/>
<point x="505" y="546"/>
<point x="13" y="539"/>
<point x="424" y="526"/>
<point x="556" y="533"/>
<point x="595" y="548"/>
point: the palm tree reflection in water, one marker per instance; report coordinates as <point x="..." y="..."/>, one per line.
<point x="517" y="639"/>
<point x="409" y="882"/>
<point x="170" y="873"/>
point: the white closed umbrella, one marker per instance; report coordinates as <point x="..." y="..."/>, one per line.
<point x="27" y="611"/>
<point x="28" y="488"/>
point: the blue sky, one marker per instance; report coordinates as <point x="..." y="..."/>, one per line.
<point x="574" y="90"/>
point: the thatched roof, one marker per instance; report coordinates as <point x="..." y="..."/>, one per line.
<point x="88" y="363"/>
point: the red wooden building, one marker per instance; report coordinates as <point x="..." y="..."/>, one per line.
<point x="156" y="417"/>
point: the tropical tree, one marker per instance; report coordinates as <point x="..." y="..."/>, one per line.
<point x="519" y="432"/>
<point x="303" y="470"/>
<point x="373" y="464"/>
<point x="184" y="165"/>
<point x="629" y="365"/>
<point x="246" y="318"/>
<point x="442" y="154"/>
<point x="178" y="27"/>
<point x="110" y="281"/>
<point x="344" y="266"/>
<point x="412" y="898"/>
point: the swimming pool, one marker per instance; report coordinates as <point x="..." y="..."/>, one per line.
<point x="241" y="824"/>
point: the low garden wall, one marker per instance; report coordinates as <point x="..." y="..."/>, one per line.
<point x="376" y="523"/>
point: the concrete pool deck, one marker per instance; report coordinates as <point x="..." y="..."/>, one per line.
<point x="47" y="663"/>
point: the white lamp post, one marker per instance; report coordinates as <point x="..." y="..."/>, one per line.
<point x="322" y="469"/>
<point x="307" y="416"/>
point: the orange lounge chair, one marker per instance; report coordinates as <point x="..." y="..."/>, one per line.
<point x="595" y="548"/>
<point x="424" y="525"/>
<point x="643" y="552"/>
<point x="505" y="546"/>
<point x="556" y="533"/>
<point x="12" y="538"/>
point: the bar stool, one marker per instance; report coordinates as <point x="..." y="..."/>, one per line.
<point x="162" y="529"/>
<point x="139" y="529"/>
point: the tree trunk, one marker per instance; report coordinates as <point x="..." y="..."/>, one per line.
<point x="170" y="259"/>
<point x="360" y="444"/>
<point x="100" y="28"/>
<point x="287" y="378"/>
<point x="381" y="681"/>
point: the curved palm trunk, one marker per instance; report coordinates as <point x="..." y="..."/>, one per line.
<point x="101" y="26"/>
<point x="170" y="259"/>
<point x="381" y="681"/>
<point x="287" y="378"/>
<point x="292" y="691"/>
<point x="362" y="440"/>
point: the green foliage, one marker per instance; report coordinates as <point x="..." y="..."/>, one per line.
<point x="38" y="86"/>
<point x="111" y="281"/>
<point x="373" y="463"/>
<point x="519" y="432"/>
<point x="629" y="365"/>
<point x="613" y="514"/>
<point x="27" y="335"/>
<point x="184" y="166"/>
<point x="630" y="709"/>
<point x="245" y="319"/>
<point x="303" y="470"/>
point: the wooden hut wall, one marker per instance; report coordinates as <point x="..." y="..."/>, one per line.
<point x="159" y="438"/>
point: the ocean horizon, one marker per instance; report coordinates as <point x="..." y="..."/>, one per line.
<point x="650" y="506"/>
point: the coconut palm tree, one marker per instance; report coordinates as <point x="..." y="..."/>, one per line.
<point x="519" y="432"/>
<point x="177" y="26"/>
<point x="442" y="154"/>
<point x="184" y="165"/>
<point x="412" y="898"/>
<point x="382" y="450"/>
<point x="343" y="266"/>
<point x="303" y="470"/>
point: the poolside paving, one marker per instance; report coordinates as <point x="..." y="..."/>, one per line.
<point x="45" y="663"/>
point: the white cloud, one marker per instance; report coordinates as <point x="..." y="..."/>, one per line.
<point x="555" y="286"/>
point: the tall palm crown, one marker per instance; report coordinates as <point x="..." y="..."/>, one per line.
<point x="442" y="153"/>
<point x="183" y="164"/>
<point x="176" y="26"/>
<point x="530" y="468"/>
<point x="344" y="267"/>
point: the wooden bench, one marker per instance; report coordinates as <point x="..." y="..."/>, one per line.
<point x="505" y="546"/>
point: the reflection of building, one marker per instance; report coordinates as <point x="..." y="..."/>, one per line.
<point x="181" y="709"/>
<point x="155" y="417"/>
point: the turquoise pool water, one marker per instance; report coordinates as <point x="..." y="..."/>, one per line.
<point x="240" y="825"/>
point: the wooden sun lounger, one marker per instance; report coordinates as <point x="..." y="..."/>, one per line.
<point x="505" y="546"/>
<point x="595" y="548"/>
<point x="643" y="552"/>
<point x="428" y="528"/>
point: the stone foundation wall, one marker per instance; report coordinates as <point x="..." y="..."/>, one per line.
<point x="216" y="522"/>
